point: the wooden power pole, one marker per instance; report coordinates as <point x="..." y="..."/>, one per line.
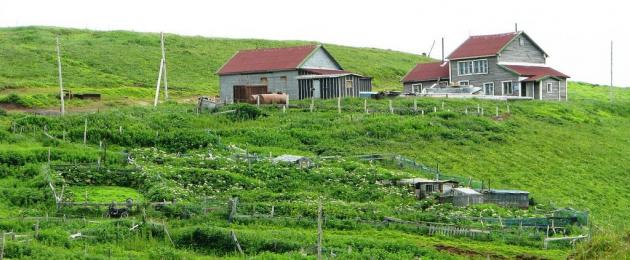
<point x="61" y="94"/>
<point x="162" y="71"/>
<point x="611" y="71"/>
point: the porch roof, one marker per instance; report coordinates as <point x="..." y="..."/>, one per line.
<point x="535" y="73"/>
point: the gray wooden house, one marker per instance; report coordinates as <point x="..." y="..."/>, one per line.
<point x="301" y="72"/>
<point x="506" y="65"/>
<point x="424" y="187"/>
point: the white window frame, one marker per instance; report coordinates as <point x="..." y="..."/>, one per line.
<point x="484" y="88"/>
<point x="461" y="81"/>
<point x="414" y="88"/>
<point x="510" y="89"/>
<point x="549" y="87"/>
<point x="469" y="67"/>
<point x="521" y="41"/>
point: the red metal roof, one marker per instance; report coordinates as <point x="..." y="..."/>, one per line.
<point x="535" y="72"/>
<point x="262" y="60"/>
<point x="482" y="45"/>
<point x="427" y="71"/>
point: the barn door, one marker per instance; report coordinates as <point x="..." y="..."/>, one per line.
<point x="243" y="93"/>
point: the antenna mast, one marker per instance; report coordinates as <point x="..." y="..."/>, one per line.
<point x="162" y="70"/>
<point x="61" y="94"/>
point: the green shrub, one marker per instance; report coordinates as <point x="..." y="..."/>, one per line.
<point x="244" y="111"/>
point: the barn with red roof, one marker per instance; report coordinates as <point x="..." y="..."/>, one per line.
<point x="507" y="65"/>
<point x="300" y="71"/>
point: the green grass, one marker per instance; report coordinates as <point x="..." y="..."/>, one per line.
<point x="104" y="194"/>
<point x="97" y="59"/>
<point x="567" y="154"/>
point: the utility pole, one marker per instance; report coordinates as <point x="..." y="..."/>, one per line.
<point x="162" y="70"/>
<point x="611" y="72"/>
<point x="61" y="94"/>
<point x="164" y="61"/>
<point x="431" y="50"/>
<point x="442" y="49"/>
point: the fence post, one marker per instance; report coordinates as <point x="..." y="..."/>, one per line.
<point x="85" y="132"/>
<point x="508" y="108"/>
<point x="2" y="247"/>
<point x="339" y="104"/>
<point x="365" y="106"/>
<point x="287" y="104"/>
<point x="466" y="111"/>
<point x="422" y="112"/>
<point x="238" y="245"/>
<point x="37" y="229"/>
<point x="497" y="111"/>
<point x="312" y="104"/>
<point x="284" y="109"/>
<point x="415" y="105"/>
<point x="434" y="109"/>
<point x="233" y="202"/>
<point x="391" y="108"/>
<point x="443" y="104"/>
<point x="478" y="110"/>
<point x="319" y="231"/>
<point x="257" y="100"/>
<point x="482" y="111"/>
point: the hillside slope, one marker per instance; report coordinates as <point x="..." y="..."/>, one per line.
<point x="128" y="59"/>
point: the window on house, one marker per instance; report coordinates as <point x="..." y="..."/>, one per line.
<point x="416" y="88"/>
<point x="349" y="83"/>
<point x="521" y="41"/>
<point x="463" y="83"/>
<point x="549" y="87"/>
<point x="507" y="88"/>
<point x="284" y="81"/>
<point x="263" y="81"/>
<point x="472" y="67"/>
<point x="429" y="188"/>
<point x="488" y="88"/>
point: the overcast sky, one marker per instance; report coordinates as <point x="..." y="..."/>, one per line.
<point x="576" y="34"/>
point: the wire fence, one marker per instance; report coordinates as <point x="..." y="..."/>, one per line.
<point x="480" y="109"/>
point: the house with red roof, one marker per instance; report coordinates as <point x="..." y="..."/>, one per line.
<point x="301" y="72"/>
<point x="509" y="65"/>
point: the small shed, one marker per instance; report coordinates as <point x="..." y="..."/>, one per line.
<point x="507" y="198"/>
<point x="301" y="161"/>
<point x="463" y="197"/>
<point x="424" y="187"/>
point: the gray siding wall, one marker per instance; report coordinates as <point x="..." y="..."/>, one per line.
<point x="495" y="74"/>
<point x="556" y="86"/>
<point x="320" y="60"/>
<point x="275" y="83"/>
<point x="514" y="52"/>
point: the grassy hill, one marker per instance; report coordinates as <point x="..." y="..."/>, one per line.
<point x="567" y="154"/>
<point x="129" y="59"/>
